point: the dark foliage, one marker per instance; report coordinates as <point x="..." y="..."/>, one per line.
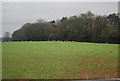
<point x="85" y="27"/>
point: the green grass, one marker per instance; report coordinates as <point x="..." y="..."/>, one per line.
<point x="59" y="60"/>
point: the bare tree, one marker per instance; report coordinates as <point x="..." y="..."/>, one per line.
<point x="6" y="37"/>
<point x="41" y="21"/>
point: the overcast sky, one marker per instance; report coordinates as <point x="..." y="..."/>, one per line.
<point x="15" y="14"/>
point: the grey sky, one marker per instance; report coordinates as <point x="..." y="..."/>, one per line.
<point x="15" y="14"/>
<point x="0" y="19"/>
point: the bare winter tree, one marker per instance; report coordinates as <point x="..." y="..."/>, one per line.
<point x="41" y="21"/>
<point x="6" y="37"/>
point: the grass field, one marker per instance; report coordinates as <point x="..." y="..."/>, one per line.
<point x="59" y="60"/>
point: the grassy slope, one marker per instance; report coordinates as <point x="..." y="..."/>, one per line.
<point x="59" y="60"/>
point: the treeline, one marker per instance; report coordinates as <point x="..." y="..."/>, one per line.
<point x="85" y="27"/>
